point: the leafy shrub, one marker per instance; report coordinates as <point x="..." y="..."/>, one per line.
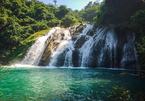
<point x="69" y="20"/>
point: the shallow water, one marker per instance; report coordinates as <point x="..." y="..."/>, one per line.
<point x="67" y="84"/>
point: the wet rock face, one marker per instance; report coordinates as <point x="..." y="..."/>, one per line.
<point x="92" y="47"/>
<point x="80" y="41"/>
<point x="75" y="58"/>
<point x="75" y="30"/>
<point x="53" y="42"/>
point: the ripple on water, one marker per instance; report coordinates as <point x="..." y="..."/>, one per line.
<point x="64" y="84"/>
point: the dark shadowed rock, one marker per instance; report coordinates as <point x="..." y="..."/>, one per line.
<point x="80" y="41"/>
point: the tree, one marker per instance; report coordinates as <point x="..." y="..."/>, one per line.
<point x="69" y="20"/>
<point x="118" y="12"/>
<point x="62" y="11"/>
<point x="90" y="12"/>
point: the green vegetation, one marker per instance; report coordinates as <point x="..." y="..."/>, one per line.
<point x="91" y="12"/>
<point x="21" y="19"/>
<point x="70" y="19"/>
<point x="113" y="12"/>
<point x="19" y="51"/>
<point x="137" y="24"/>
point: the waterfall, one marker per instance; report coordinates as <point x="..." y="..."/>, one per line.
<point x="129" y="52"/>
<point x="69" y="54"/>
<point x="103" y="48"/>
<point x="90" y="47"/>
<point x="54" y="57"/>
<point x="35" y="52"/>
<point x="68" y="57"/>
<point x="87" y="48"/>
<point x="87" y="29"/>
<point x="64" y="42"/>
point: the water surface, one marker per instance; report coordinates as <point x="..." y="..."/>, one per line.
<point x="65" y="84"/>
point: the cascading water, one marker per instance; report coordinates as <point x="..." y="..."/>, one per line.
<point x="87" y="48"/>
<point x="129" y="52"/>
<point x="68" y="56"/>
<point x="100" y="49"/>
<point x="57" y="55"/>
<point x="92" y="47"/>
<point x="87" y="29"/>
<point x="35" y="52"/>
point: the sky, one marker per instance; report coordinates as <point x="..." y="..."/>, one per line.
<point x="73" y="4"/>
